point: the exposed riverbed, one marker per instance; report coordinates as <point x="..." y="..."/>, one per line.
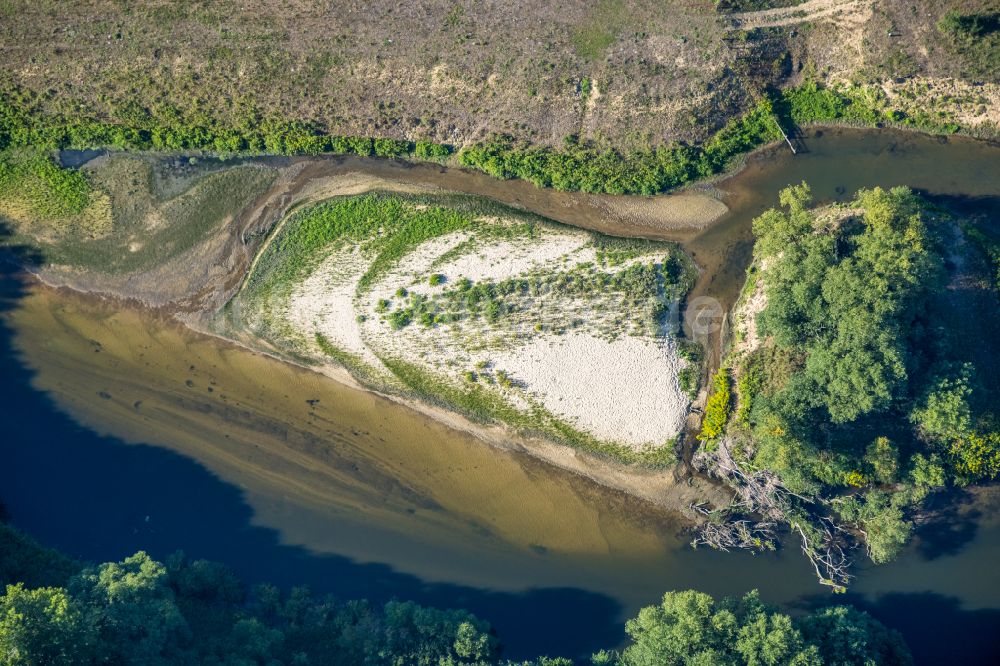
<point x="138" y="433"/>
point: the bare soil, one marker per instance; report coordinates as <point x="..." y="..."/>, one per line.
<point x="623" y="72"/>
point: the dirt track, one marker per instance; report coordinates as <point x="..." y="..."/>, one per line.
<point x="813" y="10"/>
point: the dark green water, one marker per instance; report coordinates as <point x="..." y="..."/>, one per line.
<point x="343" y="498"/>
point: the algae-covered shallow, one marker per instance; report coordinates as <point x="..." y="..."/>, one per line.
<point x="139" y="214"/>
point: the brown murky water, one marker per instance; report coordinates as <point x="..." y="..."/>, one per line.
<point x="330" y="470"/>
<point x="127" y="431"/>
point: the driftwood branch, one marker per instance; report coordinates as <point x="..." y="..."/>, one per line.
<point x="761" y="503"/>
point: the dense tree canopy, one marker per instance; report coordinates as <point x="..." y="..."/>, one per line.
<point x="142" y="612"/>
<point x="690" y="628"/>
<point x="847" y="296"/>
<point x="858" y="385"/>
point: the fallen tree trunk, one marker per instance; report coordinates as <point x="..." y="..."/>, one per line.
<point x="762" y="503"/>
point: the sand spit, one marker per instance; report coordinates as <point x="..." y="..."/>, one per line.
<point x="327" y="301"/>
<point x="567" y="353"/>
<point x="667" y="211"/>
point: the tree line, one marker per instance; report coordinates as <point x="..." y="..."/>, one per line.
<point x="579" y="165"/>
<point x="54" y="610"/>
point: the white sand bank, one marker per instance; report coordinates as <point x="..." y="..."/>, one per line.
<point x="625" y="391"/>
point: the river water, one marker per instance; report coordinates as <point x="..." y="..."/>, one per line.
<point x="125" y="431"/>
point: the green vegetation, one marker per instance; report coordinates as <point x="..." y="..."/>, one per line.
<point x="636" y="295"/>
<point x="429" y="150"/>
<point x="384" y="226"/>
<point x="690" y="628"/>
<point x="749" y="383"/>
<point x="605" y="21"/>
<point x="880" y="515"/>
<point x="124" y="214"/>
<point x="688" y="377"/>
<point x="586" y="167"/>
<point x="717" y="407"/>
<point x="628" y="295"/>
<point x="753" y="5"/>
<point x="141" y="611"/>
<point x="874" y="295"/>
<point x="352" y="362"/>
<point x="990" y="247"/>
<point x="859" y="383"/>
<point x="48" y="190"/>
<point x="580" y="165"/>
<point x="975" y="39"/>
<point x="136" y="130"/>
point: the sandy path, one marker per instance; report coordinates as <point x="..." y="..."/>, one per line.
<point x="813" y="10"/>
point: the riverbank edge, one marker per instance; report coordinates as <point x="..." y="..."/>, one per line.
<point x="646" y="171"/>
<point x="673" y="488"/>
<point x="584" y="468"/>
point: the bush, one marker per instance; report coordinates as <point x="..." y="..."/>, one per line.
<point x="928" y="472"/>
<point x="391" y="147"/>
<point x="977" y="455"/>
<point x="881" y="516"/>
<point x="688" y="380"/>
<point x="717" y="407"/>
<point x="693" y="628"/>
<point x="51" y="191"/>
<point x="975" y="40"/>
<point x="945" y="414"/>
<point x="431" y="151"/>
<point x="883" y="457"/>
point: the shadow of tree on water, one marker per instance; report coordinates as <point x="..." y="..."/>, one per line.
<point x="951" y="524"/>
<point x="935" y="626"/>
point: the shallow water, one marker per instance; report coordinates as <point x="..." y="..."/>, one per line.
<point x="125" y="431"/>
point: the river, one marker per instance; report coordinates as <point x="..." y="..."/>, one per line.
<point x="125" y="431"/>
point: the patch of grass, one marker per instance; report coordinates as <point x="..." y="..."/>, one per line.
<point x="49" y="190"/>
<point x="688" y="378"/>
<point x="614" y="250"/>
<point x="386" y="227"/>
<point x="352" y="362"/>
<point x="473" y="400"/>
<point x="748" y="386"/>
<point x="975" y="39"/>
<point x="410" y="227"/>
<point x="690" y="351"/>
<point x="601" y="30"/>
<point x="127" y="225"/>
<point x="48" y="202"/>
